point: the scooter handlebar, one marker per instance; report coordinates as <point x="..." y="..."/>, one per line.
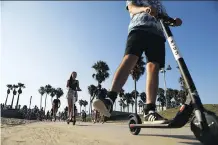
<point x="166" y="19"/>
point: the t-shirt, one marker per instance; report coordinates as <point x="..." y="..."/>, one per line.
<point x="145" y="21"/>
<point x="73" y="84"/>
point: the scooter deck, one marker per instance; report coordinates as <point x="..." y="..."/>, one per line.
<point x="149" y="126"/>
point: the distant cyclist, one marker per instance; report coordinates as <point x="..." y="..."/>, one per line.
<point x="65" y="113"/>
<point x="55" y="105"/>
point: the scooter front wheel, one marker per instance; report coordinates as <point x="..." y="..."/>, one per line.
<point x="134" y="120"/>
<point x="209" y="137"/>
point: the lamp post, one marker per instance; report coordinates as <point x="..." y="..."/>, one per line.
<point x="165" y="84"/>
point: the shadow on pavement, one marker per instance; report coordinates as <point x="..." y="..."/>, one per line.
<point x="191" y="143"/>
<point x="189" y="137"/>
<point x="82" y="125"/>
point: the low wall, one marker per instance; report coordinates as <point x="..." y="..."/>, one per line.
<point x="11" y="113"/>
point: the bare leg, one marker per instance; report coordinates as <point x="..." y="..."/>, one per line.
<point x="69" y="107"/>
<point x="152" y="82"/>
<point x="121" y="75"/>
<point x="73" y="108"/>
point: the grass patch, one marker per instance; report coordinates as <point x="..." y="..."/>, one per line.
<point x="170" y="113"/>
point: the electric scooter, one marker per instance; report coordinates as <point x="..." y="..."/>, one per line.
<point x="204" y="124"/>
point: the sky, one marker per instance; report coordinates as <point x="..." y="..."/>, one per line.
<point x="42" y="42"/>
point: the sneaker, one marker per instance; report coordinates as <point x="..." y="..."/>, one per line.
<point x="154" y="118"/>
<point x="104" y="106"/>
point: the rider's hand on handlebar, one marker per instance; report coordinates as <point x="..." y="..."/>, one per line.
<point x="178" y="22"/>
<point x="150" y="10"/>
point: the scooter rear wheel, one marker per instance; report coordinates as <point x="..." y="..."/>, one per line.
<point x="209" y="137"/>
<point x="134" y="120"/>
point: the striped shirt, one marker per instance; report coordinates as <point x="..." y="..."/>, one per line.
<point x="144" y="21"/>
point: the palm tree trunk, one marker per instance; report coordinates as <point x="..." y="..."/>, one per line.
<point x="51" y="100"/>
<point x="139" y="110"/>
<point x="18" y="97"/>
<point x="115" y="106"/>
<point x="12" y="101"/>
<point x="132" y="108"/>
<point x="30" y="102"/>
<point x="80" y="108"/>
<point x="128" y="108"/>
<point x="135" y="98"/>
<point x="159" y="106"/>
<point x="6" y="100"/>
<point x="45" y="100"/>
<point x="121" y="108"/>
<point x="89" y="105"/>
<point x="41" y="102"/>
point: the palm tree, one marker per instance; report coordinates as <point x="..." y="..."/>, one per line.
<point x="10" y="87"/>
<point x="101" y="69"/>
<point x="103" y="93"/>
<point x="176" y="97"/>
<point x="85" y="103"/>
<point x="52" y="93"/>
<point x="183" y="87"/>
<point x="59" y="92"/>
<point x="132" y="102"/>
<point x="20" y="85"/>
<point x="161" y="98"/>
<point x="169" y="96"/>
<point x="81" y="102"/>
<point x="143" y="97"/>
<point x="136" y="73"/>
<point x="135" y="95"/>
<point x="14" y="93"/>
<point x="182" y="83"/>
<point x="91" y="90"/>
<point x="121" y="101"/>
<point x="121" y="93"/>
<point x="128" y="99"/>
<point x="41" y="92"/>
<point x="47" y="91"/>
<point x="140" y="104"/>
<point x="124" y="106"/>
<point x="163" y="70"/>
<point x="182" y="96"/>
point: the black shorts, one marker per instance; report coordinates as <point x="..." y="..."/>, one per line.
<point x="140" y="41"/>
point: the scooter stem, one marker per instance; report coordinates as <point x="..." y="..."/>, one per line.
<point x="193" y="94"/>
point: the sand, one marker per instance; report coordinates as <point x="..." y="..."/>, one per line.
<point x="59" y="133"/>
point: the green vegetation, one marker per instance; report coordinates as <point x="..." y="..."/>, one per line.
<point x="170" y="113"/>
